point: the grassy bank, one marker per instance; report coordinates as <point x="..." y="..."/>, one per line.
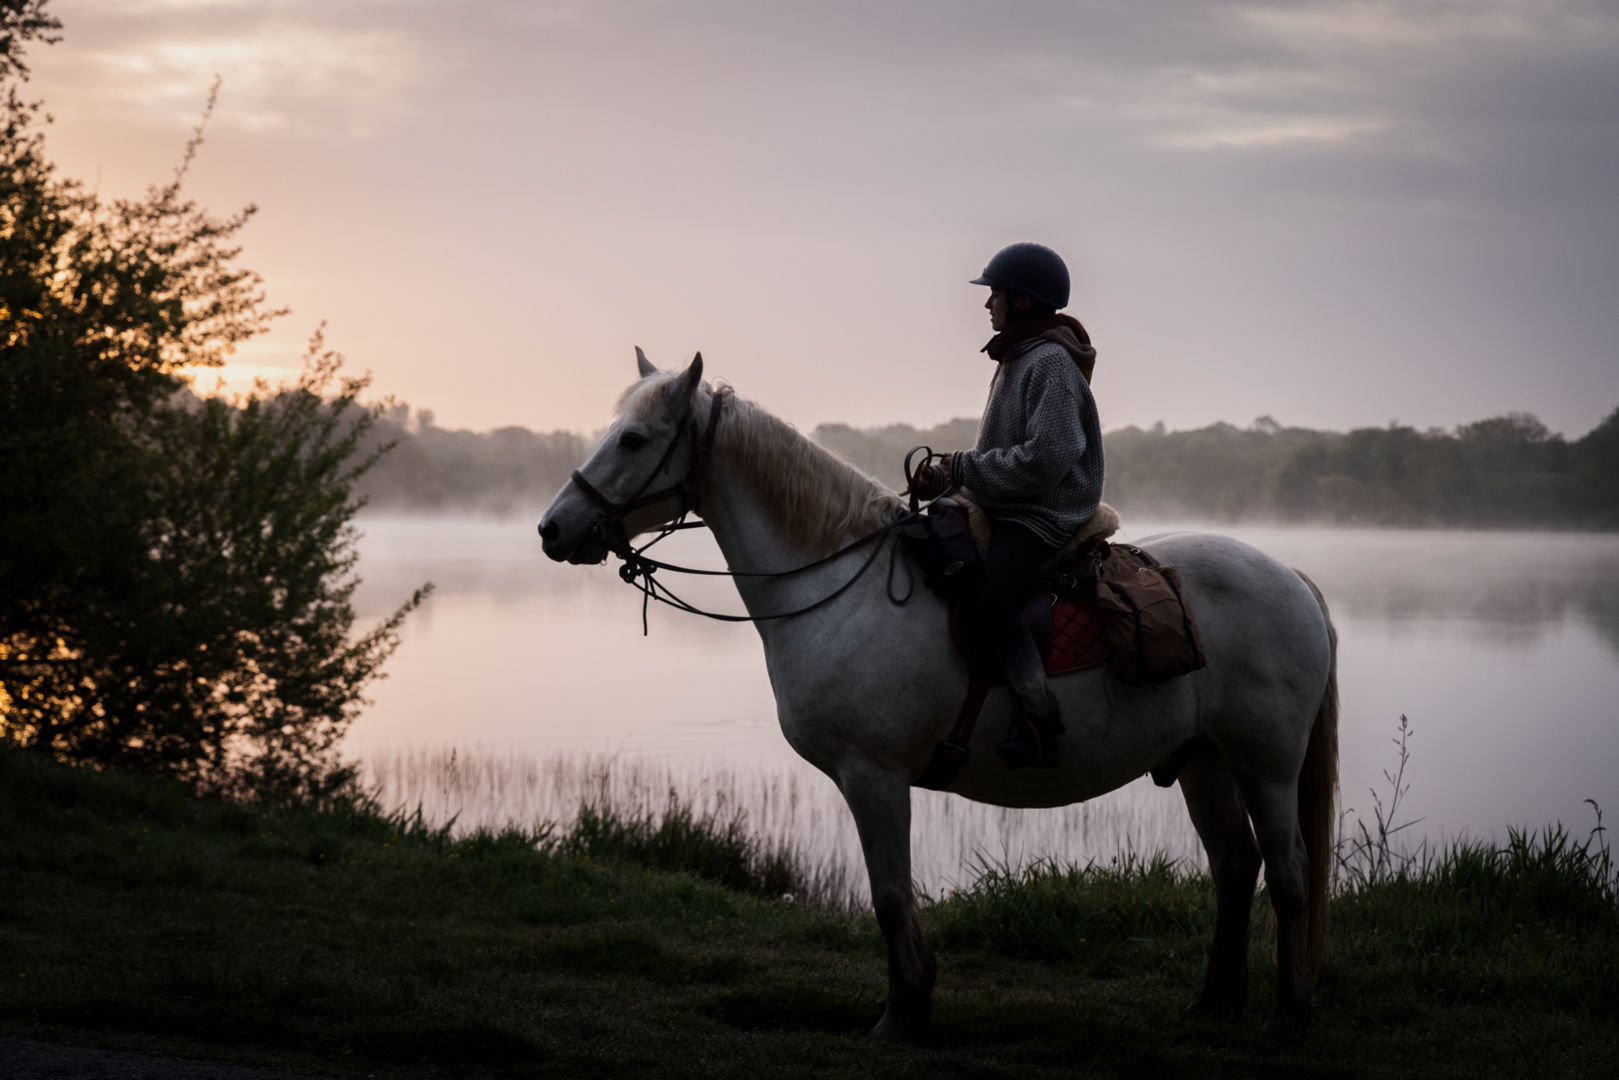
<point x="349" y="942"/>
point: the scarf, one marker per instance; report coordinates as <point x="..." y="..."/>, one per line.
<point x="1065" y="330"/>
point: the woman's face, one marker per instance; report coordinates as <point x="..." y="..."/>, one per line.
<point x="998" y="304"/>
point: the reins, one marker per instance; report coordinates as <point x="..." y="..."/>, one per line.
<point x="639" y="570"/>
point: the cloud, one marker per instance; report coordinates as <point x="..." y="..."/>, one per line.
<point x="1446" y="164"/>
<point x="1483" y="105"/>
<point x="288" y="67"/>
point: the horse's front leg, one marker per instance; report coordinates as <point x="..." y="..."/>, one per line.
<point x="880" y="800"/>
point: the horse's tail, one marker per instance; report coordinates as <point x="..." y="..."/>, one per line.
<point x="1318" y="796"/>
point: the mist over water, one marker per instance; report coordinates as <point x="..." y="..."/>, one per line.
<point x="1501" y="648"/>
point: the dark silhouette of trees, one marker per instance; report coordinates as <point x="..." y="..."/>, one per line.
<point x="503" y="472"/>
<point x="1504" y="472"/>
<point x="174" y="573"/>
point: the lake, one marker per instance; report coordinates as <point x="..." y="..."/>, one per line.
<point x="522" y="687"/>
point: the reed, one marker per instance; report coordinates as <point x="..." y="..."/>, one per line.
<point x="715" y="845"/>
<point x="784" y="807"/>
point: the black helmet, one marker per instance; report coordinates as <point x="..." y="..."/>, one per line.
<point x="1028" y="268"/>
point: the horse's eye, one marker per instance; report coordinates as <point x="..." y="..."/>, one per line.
<point x="631" y="440"/>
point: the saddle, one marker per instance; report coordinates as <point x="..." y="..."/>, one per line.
<point x="1060" y="611"/>
<point x="1093" y="603"/>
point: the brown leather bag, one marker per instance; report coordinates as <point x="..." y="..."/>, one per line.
<point x="1147" y="631"/>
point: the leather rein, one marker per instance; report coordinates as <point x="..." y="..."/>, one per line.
<point x="638" y="569"/>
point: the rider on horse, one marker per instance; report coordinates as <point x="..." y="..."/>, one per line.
<point x="1036" y="471"/>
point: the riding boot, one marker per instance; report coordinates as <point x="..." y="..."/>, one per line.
<point x="1031" y="741"/>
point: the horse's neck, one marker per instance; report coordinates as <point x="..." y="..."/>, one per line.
<point x="748" y="537"/>
<point x="754" y="542"/>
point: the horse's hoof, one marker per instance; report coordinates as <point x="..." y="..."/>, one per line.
<point x="1222" y="996"/>
<point x="901" y="1026"/>
<point x="1214" y="1006"/>
<point x="1284" y="1028"/>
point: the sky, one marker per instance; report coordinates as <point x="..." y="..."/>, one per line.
<point x="1336" y="214"/>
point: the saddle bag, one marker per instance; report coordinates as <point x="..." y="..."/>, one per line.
<point x="1147" y="632"/>
<point x="941" y="543"/>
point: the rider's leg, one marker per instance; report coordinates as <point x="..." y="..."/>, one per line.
<point x="1010" y="565"/>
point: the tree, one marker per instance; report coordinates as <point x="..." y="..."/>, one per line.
<point x="20" y="21"/>
<point x="174" y="573"/>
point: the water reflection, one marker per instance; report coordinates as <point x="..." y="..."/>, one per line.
<point x="1504" y="587"/>
<point x="1503" y="649"/>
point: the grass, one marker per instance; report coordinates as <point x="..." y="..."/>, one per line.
<point x="347" y="941"/>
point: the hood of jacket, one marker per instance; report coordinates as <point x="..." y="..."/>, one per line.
<point x="1064" y="330"/>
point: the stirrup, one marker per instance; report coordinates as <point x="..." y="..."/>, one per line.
<point x="1030" y="744"/>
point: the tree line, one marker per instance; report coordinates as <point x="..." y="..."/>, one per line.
<point x="1504" y="472"/>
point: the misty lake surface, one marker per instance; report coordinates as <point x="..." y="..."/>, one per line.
<point x="522" y="687"/>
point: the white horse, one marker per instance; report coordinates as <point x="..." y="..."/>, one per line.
<point x="865" y="687"/>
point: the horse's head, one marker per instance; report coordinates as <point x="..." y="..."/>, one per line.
<point x="643" y="473"/>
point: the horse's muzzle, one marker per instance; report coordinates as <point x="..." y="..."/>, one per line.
<point x="587" y="546"/>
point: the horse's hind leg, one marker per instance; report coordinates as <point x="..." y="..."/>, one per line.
<point x="1221" y="821"/>
<point x="1275" y="810"/>
<point x="881" y="803"/>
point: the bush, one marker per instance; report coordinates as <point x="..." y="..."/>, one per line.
<point x="175" y="574"/>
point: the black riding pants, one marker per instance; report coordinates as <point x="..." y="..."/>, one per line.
<point x="998" y="636"/>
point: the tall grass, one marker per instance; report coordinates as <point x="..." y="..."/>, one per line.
<point x="787" y="808"/>
<point x="715" y="845"/>
<point x="1545" y="869"/>
<point x="1051" y="911"/>
<point x="707" y="824"/>
<point x="1457" y="916"/>
<point x="1369" y="854"/>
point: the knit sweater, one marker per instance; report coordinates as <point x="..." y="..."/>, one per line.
<point x="1038" y="461"/>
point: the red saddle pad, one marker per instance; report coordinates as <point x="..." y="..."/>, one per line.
<point x="1076" y="638"/>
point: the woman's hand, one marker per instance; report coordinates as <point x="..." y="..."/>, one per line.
<point x="932" y="479"/>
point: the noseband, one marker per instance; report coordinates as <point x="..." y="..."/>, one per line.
<point x="689" y="488"/>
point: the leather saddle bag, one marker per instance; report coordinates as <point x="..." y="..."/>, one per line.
<point x="1148" y="634"/>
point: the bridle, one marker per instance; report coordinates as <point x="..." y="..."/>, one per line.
<point x="689" y="488"/>
<point x="638" y="569"/>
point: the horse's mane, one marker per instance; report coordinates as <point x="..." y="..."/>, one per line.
<point x="815" y="496"/>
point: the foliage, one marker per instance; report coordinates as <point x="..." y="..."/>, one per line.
<point x="1506" y="471"/>
<point x="174" y="589"/>
<point x="20" y="21"/>
<point x="1503" y="472"/>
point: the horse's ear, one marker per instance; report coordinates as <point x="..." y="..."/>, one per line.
<point x="693" y="376"/>
<point x="643" y="363"/>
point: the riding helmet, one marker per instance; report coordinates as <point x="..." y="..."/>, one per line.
<point x="1028" y="268"/>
